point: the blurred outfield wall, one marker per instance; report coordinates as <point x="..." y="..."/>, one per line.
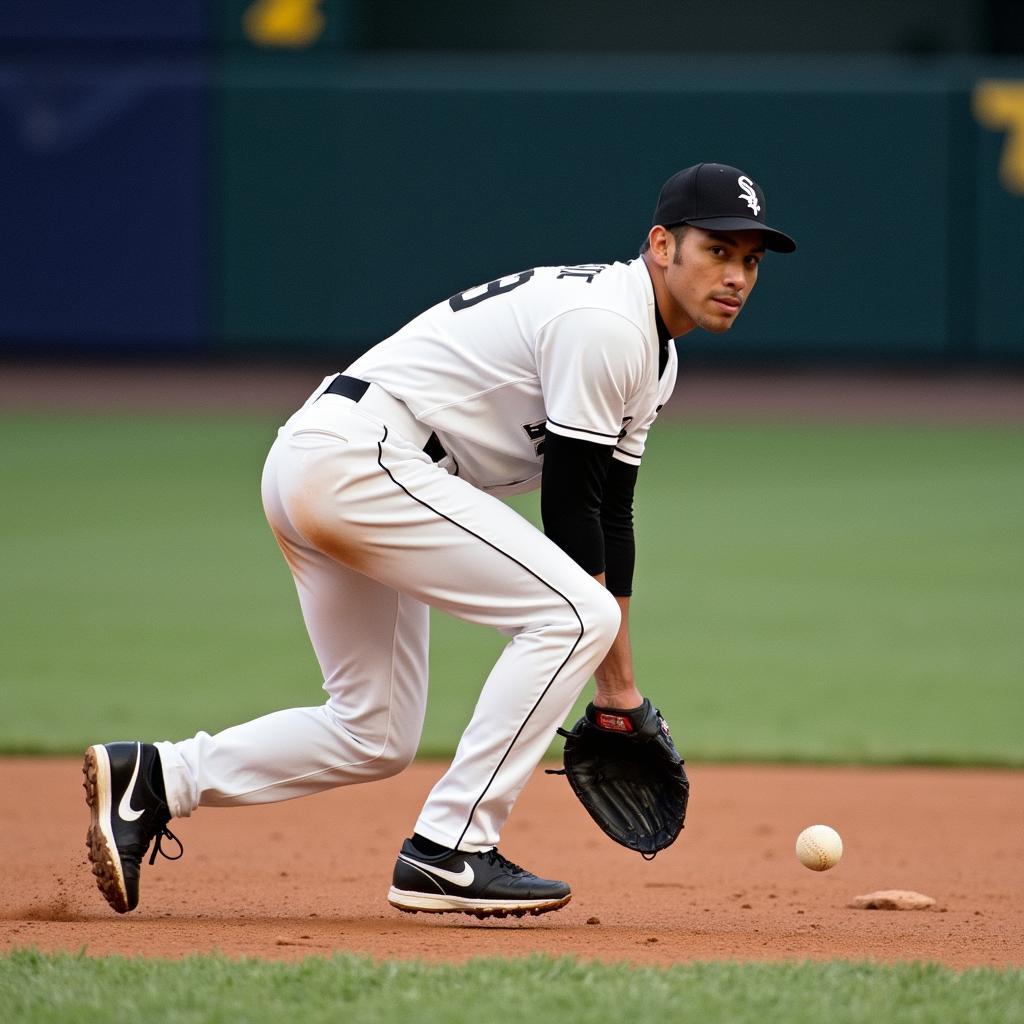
<point x="185" y="199"/>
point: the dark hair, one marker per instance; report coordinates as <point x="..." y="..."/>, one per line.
<point x="677" y="231"/>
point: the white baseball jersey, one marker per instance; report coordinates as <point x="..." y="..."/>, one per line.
<point x="374" y="532"/>
<point x="573" y="350"/>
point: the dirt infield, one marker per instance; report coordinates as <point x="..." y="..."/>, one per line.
<point x="804" y="396"/>
<point x="308" y="877"/>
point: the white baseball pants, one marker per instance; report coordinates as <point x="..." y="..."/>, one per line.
<point x="374" y="532"/>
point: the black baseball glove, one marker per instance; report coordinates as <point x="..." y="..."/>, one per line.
<point x="629" y="776"/>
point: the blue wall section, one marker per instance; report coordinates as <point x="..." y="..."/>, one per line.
<point x="103" y="188"/>
<point x="297" y="202"/>
<point x="110" y="21"/>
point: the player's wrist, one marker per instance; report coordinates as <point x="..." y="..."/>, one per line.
<point x="623" y="696"/>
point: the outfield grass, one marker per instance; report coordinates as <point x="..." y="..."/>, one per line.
<point x="38" y="989"/>
<point x="845" y="593"/>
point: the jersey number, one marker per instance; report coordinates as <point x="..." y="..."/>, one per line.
<point x="472" y="296"/>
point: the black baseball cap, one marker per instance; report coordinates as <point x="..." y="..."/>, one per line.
<point x="717" y="197"/>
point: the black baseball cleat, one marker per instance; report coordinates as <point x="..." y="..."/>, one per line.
<point x="482" y="884"/>
<point x="124" y="788"/>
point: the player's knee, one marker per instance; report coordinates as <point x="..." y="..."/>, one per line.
<point x="392" y="760"/>
<point x="386" y="747"/>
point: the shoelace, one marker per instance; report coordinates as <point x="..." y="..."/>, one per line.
<point x="493" y="857"/>
<point x="165" y="832"/>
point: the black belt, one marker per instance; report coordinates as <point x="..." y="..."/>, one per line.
<point x="354" y="388"/>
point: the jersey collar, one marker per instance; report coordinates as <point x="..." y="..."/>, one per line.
<point x="664" y="340"/>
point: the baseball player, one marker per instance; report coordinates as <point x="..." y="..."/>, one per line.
<point x="383" y="494"/>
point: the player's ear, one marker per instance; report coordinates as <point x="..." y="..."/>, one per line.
<point x="660" y="242"/>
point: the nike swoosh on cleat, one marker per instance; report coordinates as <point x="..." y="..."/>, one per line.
<point x="464" y="877"/>
<point x="124" y="808"/>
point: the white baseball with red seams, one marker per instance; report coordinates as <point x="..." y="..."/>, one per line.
<point x="819" y="847"/>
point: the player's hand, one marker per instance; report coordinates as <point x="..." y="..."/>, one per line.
<point x="627" y="773"/>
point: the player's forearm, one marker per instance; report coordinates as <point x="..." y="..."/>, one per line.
<point x="616" y="683"/>
<point x="617" y="527"/>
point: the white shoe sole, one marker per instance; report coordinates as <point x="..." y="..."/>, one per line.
<point x="106" y="863"/>
<point x="435" y="903"/>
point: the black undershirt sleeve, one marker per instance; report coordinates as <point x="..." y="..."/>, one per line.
<point x="571" y="492"/>
<point x="617" y="522"/>
<point x="586" y="504"/>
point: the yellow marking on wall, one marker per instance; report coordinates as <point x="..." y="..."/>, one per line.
<point x="999" y="105"/>
<point x="291" y="24"/>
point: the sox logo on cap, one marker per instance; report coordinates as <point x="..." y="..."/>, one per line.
<point x="748" y="194"/>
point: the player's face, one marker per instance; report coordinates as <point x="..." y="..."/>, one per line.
<point x="710" y="275"/>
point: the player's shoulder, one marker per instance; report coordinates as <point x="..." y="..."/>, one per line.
<point x="606" y="291"/>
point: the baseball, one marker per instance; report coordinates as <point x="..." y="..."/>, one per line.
<point x="819" y="847"/>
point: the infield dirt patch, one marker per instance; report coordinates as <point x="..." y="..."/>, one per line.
<point x="309" y="877"/>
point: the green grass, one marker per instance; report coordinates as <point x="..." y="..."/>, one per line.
<point x="843" y="593"/>
<point x="851" y="593"/>
<point x="38" y="989"/>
